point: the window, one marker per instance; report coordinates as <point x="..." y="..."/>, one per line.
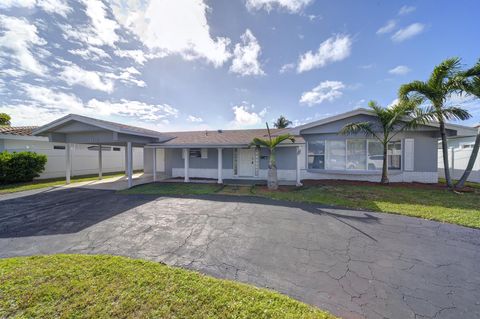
<point x="96" y="148"/>
<point x="195" y="152"/>
<point x="116" y="149"/>
<point x="394" y="155"/>
<point x="466" y="146"/>
<point x="356" y="154"/>
<point x="335" y="153"/>
<point x="316" y="155"/>
<point x="58" y="147"/>
<point x="375" y="155"/>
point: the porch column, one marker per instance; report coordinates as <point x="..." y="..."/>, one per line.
<point x="220" y="166"/>
<point x="129" y="163"/>
<point x="154" y="164"/>
<point x="299" y="163"/>
<point x="100" y="161"/>
<point x="186" y="164"/>
<point x="68" y="163"/>
<point x="126" y="161"/>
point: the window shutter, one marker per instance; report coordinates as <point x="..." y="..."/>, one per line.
<point x="409" y="155"/>
<point x="204" y="152"/>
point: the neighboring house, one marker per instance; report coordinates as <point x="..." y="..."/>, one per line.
<point x="319" y="151"/>
<point x="459" y="150"/>
<point x="84" y="157"/>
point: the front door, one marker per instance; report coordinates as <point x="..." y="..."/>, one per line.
<point x="246" y="162"/>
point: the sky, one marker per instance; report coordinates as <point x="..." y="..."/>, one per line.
<point x="217" y="64"/>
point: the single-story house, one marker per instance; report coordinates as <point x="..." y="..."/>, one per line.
<point x="84" y="156"/>
<point x="319" y="151"/>
<point x="459" y="150"/>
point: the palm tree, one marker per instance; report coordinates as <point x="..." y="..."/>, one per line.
<point x="390" y="121"/>
<point x="5" y="119"/>
<point x="469" y="81"/>
<point x="436" y="90"/>
<point x="271" y="144"/>
<point x="282" y="122"/>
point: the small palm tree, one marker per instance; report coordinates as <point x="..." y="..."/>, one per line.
<point x="441" y="84"/>
<point x="282" y="122"/>
<point x="271" y="144"/>
<point x="390" y="121"/>
<point x="469" y="82"/>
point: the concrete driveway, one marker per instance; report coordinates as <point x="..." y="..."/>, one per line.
<point x="354" y="264"/>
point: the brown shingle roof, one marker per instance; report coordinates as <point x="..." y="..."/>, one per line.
<point x="17" y="130"/>
<point x="220" y="137"/>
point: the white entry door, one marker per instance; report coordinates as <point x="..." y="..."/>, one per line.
<point x="246" y="162"/>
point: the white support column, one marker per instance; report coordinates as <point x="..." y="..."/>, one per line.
<point x="68" y="163"/>
<point x="220" y="166"/>
<point x="129" y="164"/>
<point x="186" y="159"/>
<point x="154" y="164"/>
<point x="299" y="162"/>
<point x="126" y="161"/>
<point x="100" y="173"/>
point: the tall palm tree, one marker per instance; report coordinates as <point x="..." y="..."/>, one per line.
<point x="469" y="81"/>
<point x="282" y="122"/>
<point x="441" y="84"/>
<point x="390" y="121"/>
<point x="271" y="144"/>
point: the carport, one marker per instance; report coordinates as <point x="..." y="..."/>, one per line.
<point x="77" y="129"/>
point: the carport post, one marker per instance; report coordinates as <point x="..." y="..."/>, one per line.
<point x="299" y="161"/>
<point x="220" y="167"/>
<point x="100" y="161"/>
<point x="129" y="163"/>
<point x="186" y="159"/>
<point x="68" y="163"/>
<point x="154" y="164"/>
<point x="126" y="161"/>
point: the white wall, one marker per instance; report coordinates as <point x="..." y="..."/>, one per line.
<point x="458" y="158"/>
<point x="84" y="161"/>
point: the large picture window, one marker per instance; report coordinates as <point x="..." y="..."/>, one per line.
<point x="335" y="151"/>
<point x="316" y="155"/>
<point x="353" y="154"/>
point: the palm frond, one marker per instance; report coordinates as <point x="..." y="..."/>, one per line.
<point x="417" y="90"/>
<point x="259" y="142"/>
<point x="443" y="72"/>
<point x="454" y="113"/>
<point x="280" y="138"/>
<point x="358" y="127"/>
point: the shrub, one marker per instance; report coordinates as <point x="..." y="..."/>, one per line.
<point x="20" y="167"/>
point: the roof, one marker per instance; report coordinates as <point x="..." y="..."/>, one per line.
<point x="17" y="130"/>
<point x="460" y="129"/>
<point x="220" y="137"/>
<point x="112" y="126"/>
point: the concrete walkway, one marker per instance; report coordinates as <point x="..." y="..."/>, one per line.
<point x="354" y="264"/>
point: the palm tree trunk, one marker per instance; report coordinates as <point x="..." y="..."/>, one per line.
<point x="471" y="162"/>
<point x="443" y="134"/>
<point x="272" y="179"/>
<point x="384" y="179"/>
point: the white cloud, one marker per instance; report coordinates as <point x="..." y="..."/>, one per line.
<point x="20" y="38"/>
<point x="287" y="67"/>
<point x="100" y="31"/>
<point x="292" y="6"/>
<point x="406" y="10"/>
<point x="51" y="6"/>
<point x="140" y="110"/>
<point x="75" y="75"/>
<point x="137" y="55"/>
<point x="173" y="27"/>
<point x="127" y="75"/>
<point x="399" y="70"/>
<point x="194" y="119"/>
<point x="246" y="116"/>
<point x="331" y="50"/>
<point x="53" y="99"/>
<point x="387" y="28"/>
<point x="325" y="91"/>
<point x="90" y="53"/>
<point x="408" y="32"/>
<point x="245" y="60"/>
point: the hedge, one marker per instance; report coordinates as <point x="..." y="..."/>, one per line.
<point x="19" y="167"/>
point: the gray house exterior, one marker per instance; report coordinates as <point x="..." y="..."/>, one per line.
<point x="319" y="151"/>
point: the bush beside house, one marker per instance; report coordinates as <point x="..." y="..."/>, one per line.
<point x="20" y="167"/>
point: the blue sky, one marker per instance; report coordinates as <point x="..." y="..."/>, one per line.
<point x="210" y="64"/>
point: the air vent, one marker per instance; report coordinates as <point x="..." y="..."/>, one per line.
<point x="220" y="131"/>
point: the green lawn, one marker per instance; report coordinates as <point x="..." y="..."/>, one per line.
<point x="430" y="203"/>
<point x="52" y="182"/>
<point x="82" y="286"/>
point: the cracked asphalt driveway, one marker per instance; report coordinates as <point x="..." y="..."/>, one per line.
<point x="354" y="264"/>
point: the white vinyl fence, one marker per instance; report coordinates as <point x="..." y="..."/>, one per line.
<point x="458" y="160"/>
